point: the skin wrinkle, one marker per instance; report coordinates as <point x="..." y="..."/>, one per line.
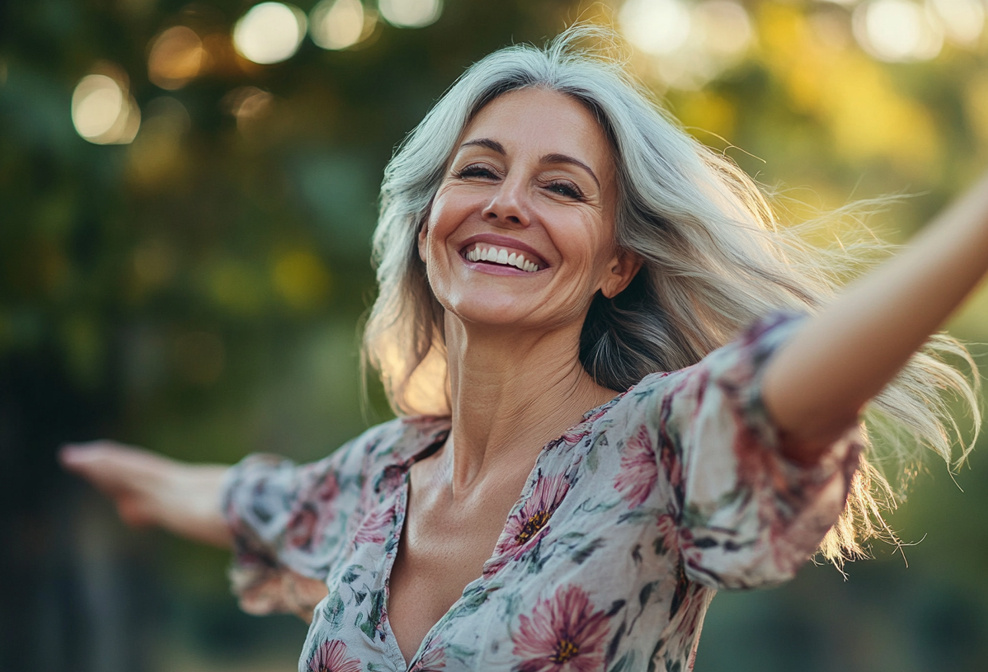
<point x="547" y="160"/>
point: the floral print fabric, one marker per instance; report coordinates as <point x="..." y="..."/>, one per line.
<point x="627" y="525"/>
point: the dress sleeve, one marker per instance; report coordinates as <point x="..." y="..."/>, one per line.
<point x="748" y="515"/>
<point x="288" y="522"/>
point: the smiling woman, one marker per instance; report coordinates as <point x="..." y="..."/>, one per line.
<point x="620" y="387"/>
<point x="524" y="184"/>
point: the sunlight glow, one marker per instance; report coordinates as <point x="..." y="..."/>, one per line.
<point x="410" y="13"/>
<point x="270" y="32"/>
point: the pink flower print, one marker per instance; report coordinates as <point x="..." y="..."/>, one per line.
<point x="530" y="522"/>
<point x="672" y="467"/>
<point x="688" y="550"/>
<point x="576" y="434"/>
<point x="563" y="634"/>
<point x="328" y="489"/>
<point x="639" y="472"/>
<point x="668" y="533"/>
<point x="433" y="659"/>
<point x="302" y="527"/>
<point x="313" y="514"/>
<point x="331" y="657"/>
<point x="372" y="527"/>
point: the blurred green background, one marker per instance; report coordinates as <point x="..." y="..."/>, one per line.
<point x="184" y="227"/>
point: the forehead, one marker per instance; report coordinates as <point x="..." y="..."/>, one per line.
<point x="543" y="122"/>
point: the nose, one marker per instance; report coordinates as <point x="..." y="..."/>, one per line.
<point x="508" y="205"/>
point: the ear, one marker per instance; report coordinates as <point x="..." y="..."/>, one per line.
<point x="422" y="236"/>
<point x="620" y="272"/>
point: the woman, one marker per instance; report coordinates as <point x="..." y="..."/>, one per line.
<point x="563" y="276"/>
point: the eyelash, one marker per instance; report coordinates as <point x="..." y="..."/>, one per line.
<point x="475" y="171"/>
<point x="560" y="187"/>
<point x="564" y="188"/>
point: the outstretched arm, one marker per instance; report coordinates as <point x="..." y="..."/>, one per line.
<point x="149" y="489"/>
<point x="815" y="387"/>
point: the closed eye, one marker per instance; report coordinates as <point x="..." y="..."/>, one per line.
<point x="567" y="189"/>
<point x="476" y="171"/>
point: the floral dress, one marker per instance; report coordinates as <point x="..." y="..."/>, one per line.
<point x="627" y="525"/>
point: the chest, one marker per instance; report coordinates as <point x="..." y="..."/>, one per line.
<point x="430" y="585"/>
<point x="443" y="547"/>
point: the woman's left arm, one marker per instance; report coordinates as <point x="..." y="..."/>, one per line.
<point x="815" y="387"/>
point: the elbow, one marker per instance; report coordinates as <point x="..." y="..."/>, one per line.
<point x="806" y="434"/>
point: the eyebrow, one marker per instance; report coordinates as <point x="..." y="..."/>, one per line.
<point x="496" y="146"/>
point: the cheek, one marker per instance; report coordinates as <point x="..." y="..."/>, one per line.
<point x="447" y="213"/>
<point x="591" y="242"/>
<point x="434" y="228"/>
<point x="431" y="239"/>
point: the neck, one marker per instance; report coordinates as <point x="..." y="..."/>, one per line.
<point x="511" y="393"/>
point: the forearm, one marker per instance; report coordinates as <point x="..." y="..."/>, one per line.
<point x="815" y="387"/>
<point x="189" y="503"/>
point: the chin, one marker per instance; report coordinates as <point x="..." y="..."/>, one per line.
<point x="493" y="311"/>
<point x="494" y="317"/>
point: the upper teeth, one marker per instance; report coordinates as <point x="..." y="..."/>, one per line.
<point x="499" y="255"/>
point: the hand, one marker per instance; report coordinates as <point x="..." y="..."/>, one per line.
<point x="149" y="489"/>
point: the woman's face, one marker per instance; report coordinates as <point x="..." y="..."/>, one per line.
<point x="521" y="231"/>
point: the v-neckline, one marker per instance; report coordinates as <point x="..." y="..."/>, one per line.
<point x="401" y="508"/>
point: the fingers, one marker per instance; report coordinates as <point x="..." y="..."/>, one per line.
<point x="129" y="476"/>
<point x="149" y="489"/>
<point x="80" y="455"/>
<point x="108" y="461"/>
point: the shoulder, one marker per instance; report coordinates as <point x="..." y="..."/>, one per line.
<point x="727" y="377"/>
<point x="397" y="441"/>
<point x="743" y="355"/>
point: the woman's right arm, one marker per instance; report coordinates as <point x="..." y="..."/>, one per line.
<point x="149" y="489"/>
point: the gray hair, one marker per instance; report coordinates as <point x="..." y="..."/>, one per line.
<point x="713" y="259"/>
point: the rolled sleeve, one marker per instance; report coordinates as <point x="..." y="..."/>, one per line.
<point x="750" y="516"/>
<point x="288" y="521"/>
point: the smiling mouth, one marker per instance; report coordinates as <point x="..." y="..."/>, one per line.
<point x="498" y="255"/>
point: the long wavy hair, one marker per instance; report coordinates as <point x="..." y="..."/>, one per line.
<point x="714" y="258"/>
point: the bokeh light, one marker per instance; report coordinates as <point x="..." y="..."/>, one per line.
<point x="249" y="105"/>
<point x="897" y="31"/>
<point x="301" y="279"/>
<point x="103" y="111"/>
<point x="963" y="20"/>
<point x="410" y="13"/>
<point x="655" y="26"/>
<point x="723" y="26"/>
<point x="176" y="57"/>
<point x="270" y="32"/>
<point x="689" y="43"/>
<point x="338" y="24"/>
